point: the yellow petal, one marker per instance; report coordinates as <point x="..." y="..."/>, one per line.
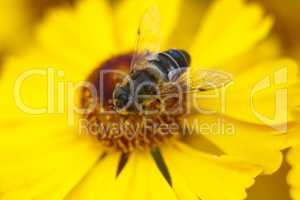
<point x="71" y="39"/>
<point x="34" y="133"/>
<point x="81" y="38"/>
<point x="187" y="29"/>
<point x="230" y="28"/>
<point x="140" y="179"/>
<point x="270" y="82"/>
<point x="294" y="174"/>
<point x="204" y="174"/>
<point x="44" y="167"/>
<point x="34" y="92"/>
<point x="255" y="144"/>
<point x="268" y="95"/>
<point x="269" y="49"/>
<point x="70" y="44"/>
<point x="99" y="180"/>
<point x="128" y="16"/>
<point x="14" y="18"/>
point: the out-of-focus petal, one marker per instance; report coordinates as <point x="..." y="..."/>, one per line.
<point x="14" y="23"/>
<point x="269" y="49"/>
<point x="43" y="162"/>
<point x="140" y="179"/>
<point x="256" y="144"/>
<point x="128" y="15"/>
<point x="78" y="38"/>
<point x="98" y="181"/>
<point x="263" y="94"/>
<point x="204" y="174"/>
<point x="190" y="17"/>
<point x="61" y="54"/>
<point x="230" y="28"/>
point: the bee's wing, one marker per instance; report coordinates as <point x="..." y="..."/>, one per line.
<point x="148" y="38"/>
<point x="199" y="81"/>
<point x="203" y="80"/>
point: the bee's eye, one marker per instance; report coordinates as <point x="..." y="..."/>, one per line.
<point x="123" y="97"/>
<point x="122" y="100"/>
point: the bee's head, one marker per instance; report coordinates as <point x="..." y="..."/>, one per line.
<point x="121" y="98"/>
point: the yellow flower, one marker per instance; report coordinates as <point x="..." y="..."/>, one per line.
<point x="43" y="157"/>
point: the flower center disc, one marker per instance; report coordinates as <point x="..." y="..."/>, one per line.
<point x="123" y="132"/>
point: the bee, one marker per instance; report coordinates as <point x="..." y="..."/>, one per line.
<point x="156" y="74"/>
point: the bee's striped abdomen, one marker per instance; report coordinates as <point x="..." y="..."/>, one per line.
<point x="170" y="60"/>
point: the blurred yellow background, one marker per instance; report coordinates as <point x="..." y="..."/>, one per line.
<point x="20" y="17"/>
